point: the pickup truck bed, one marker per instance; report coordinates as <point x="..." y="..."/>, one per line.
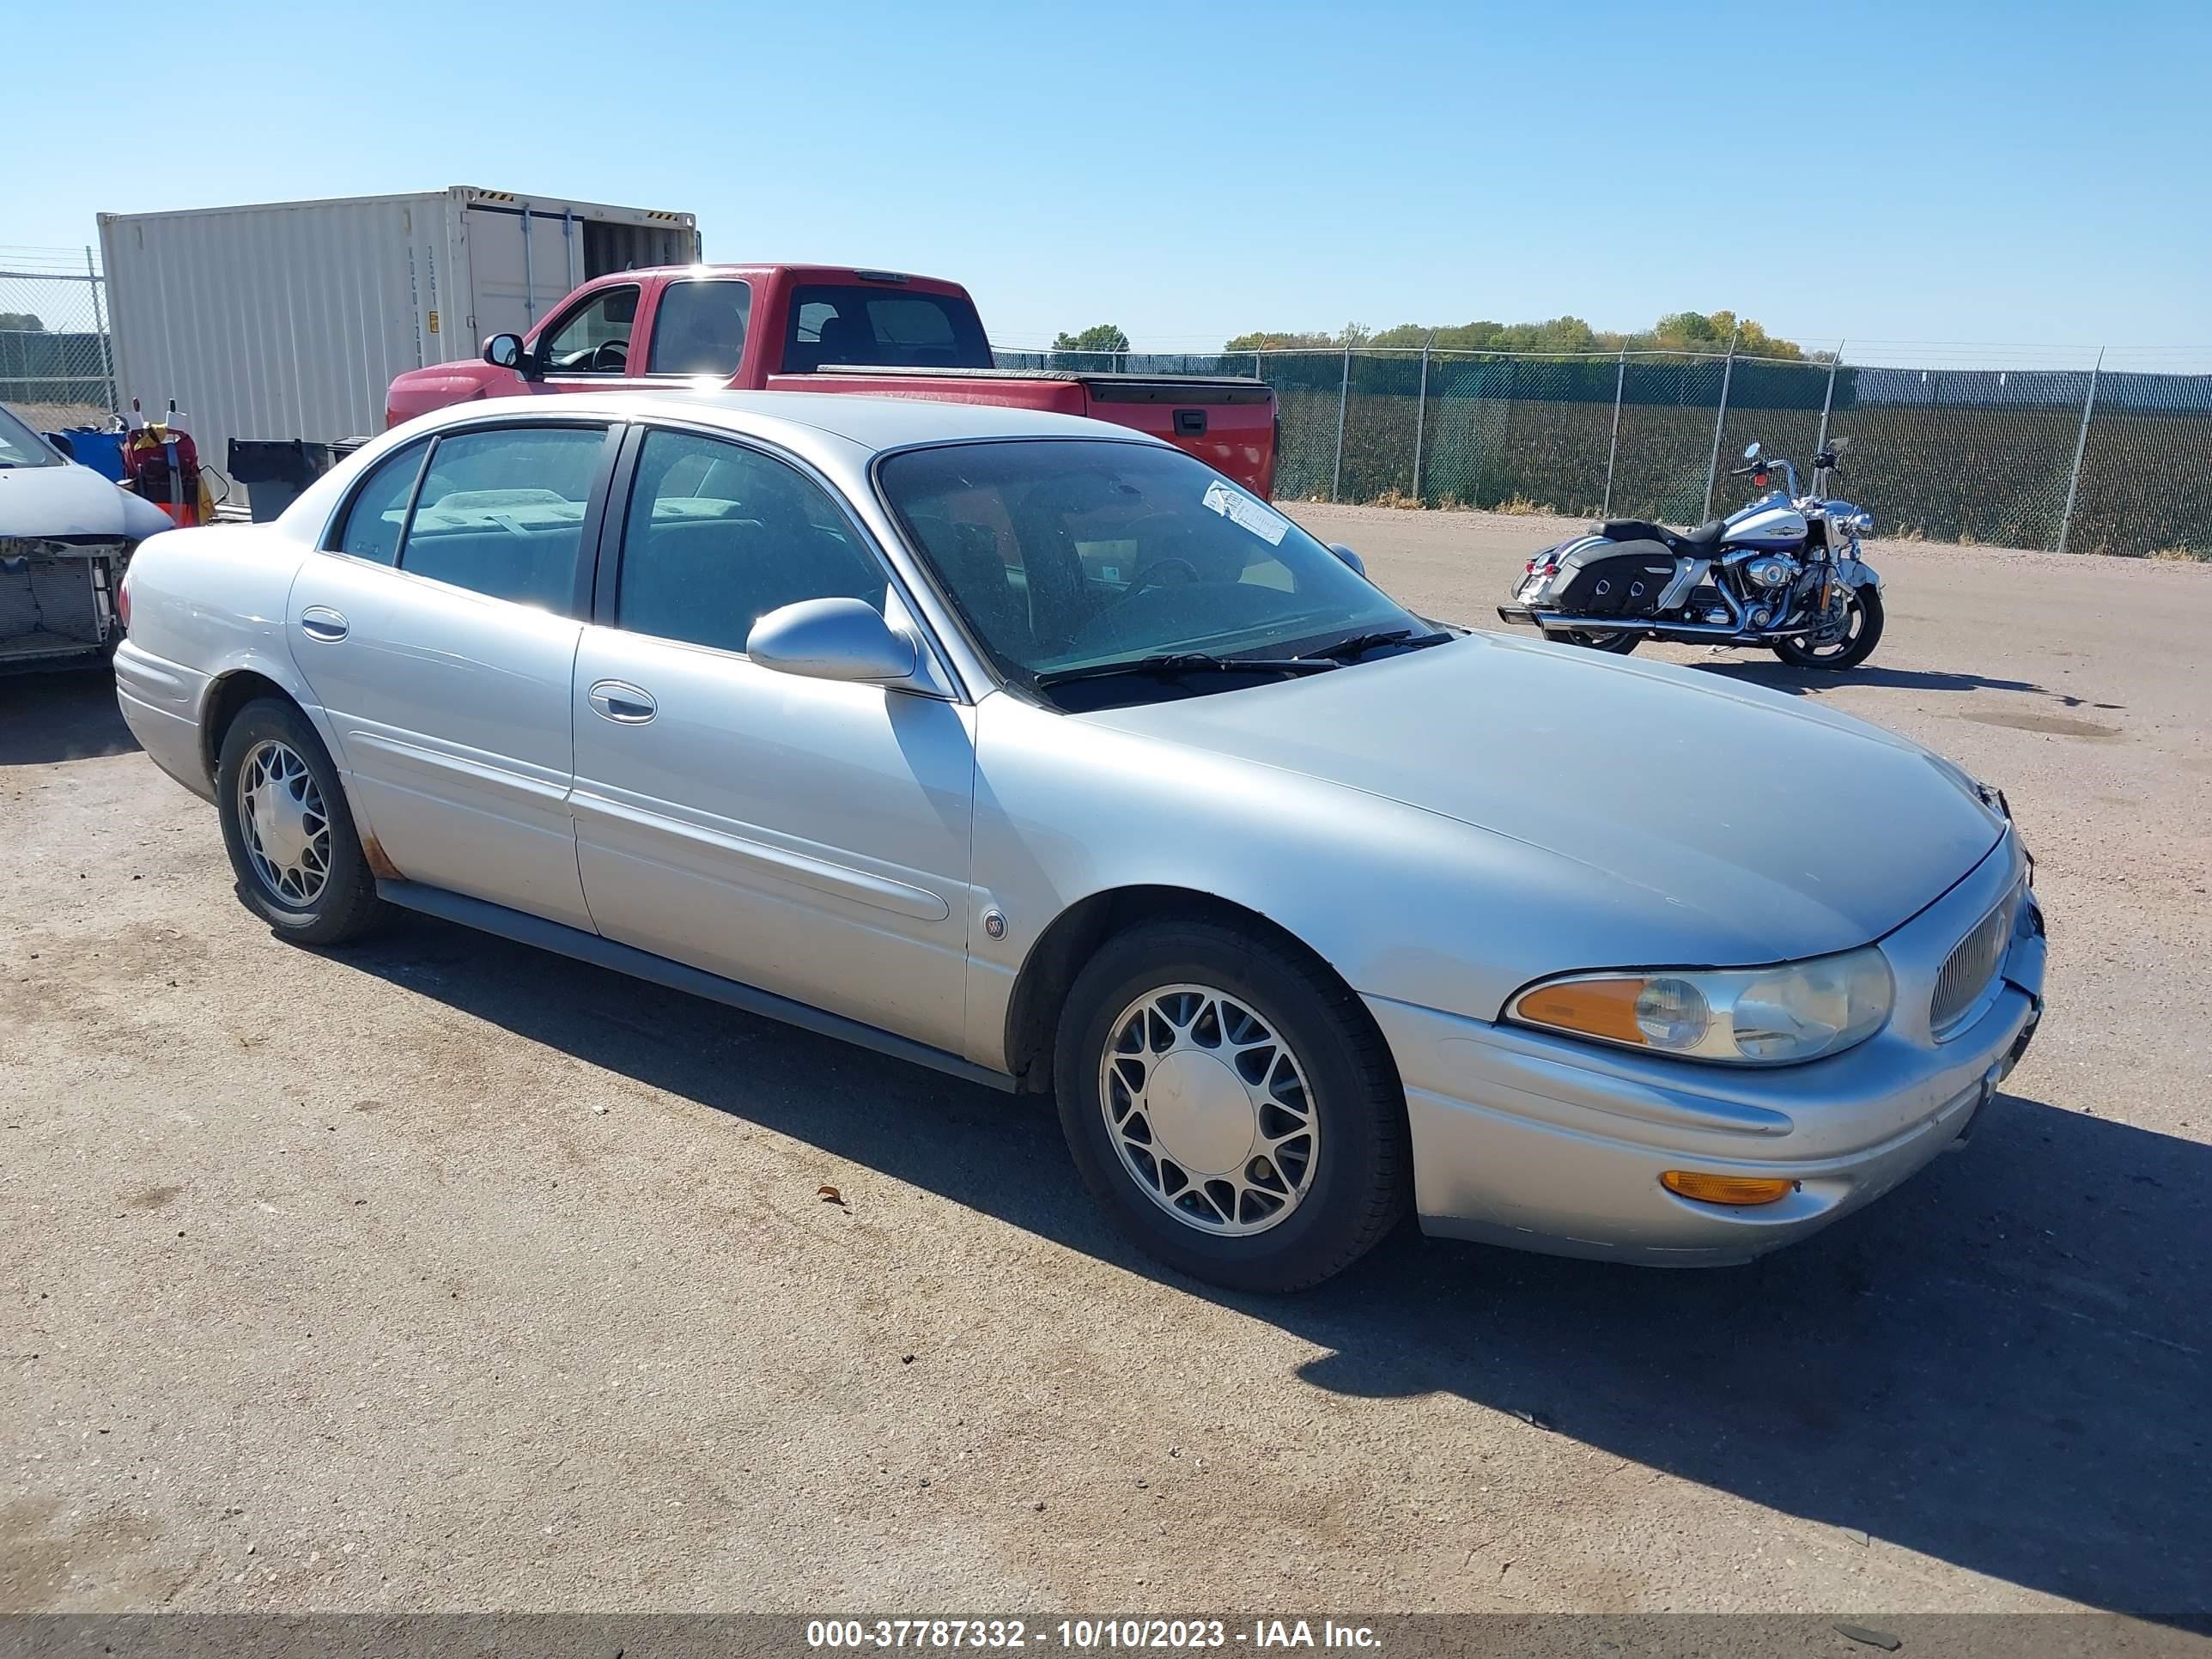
<point x="1227" y="422"/>
<point x="811" y="328"/>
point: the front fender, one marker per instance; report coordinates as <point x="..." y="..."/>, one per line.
<point x="1859" y="574"/>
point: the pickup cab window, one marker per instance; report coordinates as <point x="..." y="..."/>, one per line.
<point x="847" y="324"/>
<point x="699" y="328"/>
<point x="594" y="339"/>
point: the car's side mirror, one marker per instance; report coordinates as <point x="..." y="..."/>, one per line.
<point x="505" y="351"/>
<point x="832" y="640"/>
<point x="62" y="446"/>
<point x="1349" y="557"/>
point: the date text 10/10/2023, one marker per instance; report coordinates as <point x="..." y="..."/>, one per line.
<point x="1087" y="1635"/>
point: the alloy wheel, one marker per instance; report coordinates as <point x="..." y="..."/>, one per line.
<point x="1209" y="1110"/>
<point x="285" y="823"/>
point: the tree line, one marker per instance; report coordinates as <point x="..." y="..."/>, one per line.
<point x="1678" y="331"/>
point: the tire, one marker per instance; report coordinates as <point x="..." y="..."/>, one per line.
<point x="1293" y="1215"/>
<point x="323" y="892"/>
<point x="1618" y="644"/>
<point x="1867" y="603"/>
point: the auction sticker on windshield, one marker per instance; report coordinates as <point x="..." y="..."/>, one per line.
<point x="1240" y="509"/>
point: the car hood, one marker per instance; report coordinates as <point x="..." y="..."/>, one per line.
<point x="73" y="501"/>
<point x="1784" y="827"/>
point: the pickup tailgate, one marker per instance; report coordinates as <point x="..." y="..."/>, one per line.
<point x="1227" y="422"/>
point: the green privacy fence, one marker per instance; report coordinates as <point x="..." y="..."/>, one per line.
<point x="2087" y="461"/>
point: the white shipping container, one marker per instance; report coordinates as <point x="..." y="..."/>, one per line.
<point x="287" y="319"/>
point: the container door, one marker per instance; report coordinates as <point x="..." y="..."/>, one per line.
<point x="522" y="263"/>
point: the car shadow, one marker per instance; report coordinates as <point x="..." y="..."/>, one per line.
<point x="2002" y="1366"/>
<point x="60" y="714"/>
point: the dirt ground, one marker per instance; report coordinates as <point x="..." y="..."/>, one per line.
<point x="440" y="1274"/>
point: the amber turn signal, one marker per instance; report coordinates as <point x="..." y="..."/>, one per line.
<point x="1741" y="1191"/>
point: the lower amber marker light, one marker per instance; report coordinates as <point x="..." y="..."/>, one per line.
<point x="1741" y="1191"/>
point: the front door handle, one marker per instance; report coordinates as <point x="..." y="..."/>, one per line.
<point x="621" y="702"/>
<point x="320" y="621"/>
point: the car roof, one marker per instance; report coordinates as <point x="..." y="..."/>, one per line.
<point x="799" y="420"/>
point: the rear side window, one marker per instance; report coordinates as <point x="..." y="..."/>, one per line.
<point x="719" y="535"/>
<point x="501" y="512"/>
<point x="378" y="512"/>
<point x="700" y="328"/>
<point x="834" y="324"/>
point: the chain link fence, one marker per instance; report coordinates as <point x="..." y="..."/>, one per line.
<point x="2089" y="460"/>
<point x="57" y="362"/>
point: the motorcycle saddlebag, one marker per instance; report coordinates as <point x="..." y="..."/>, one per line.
<point x="1613" y="579"/>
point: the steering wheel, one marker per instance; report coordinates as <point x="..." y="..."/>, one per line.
<point x="611" y="358"/>
<point x="1145" y="578"/>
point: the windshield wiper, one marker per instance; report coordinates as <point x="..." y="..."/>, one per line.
<point x="1179" y="663"/>
<point x="1363" y="642"/>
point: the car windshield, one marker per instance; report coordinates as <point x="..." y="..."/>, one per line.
<point x="20" y="446"/>
<point x="1068" y="555"/>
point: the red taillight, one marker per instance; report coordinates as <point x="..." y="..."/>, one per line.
<point x="123" y="602"/>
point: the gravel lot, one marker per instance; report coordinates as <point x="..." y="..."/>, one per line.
<point x="441" y="1273"/>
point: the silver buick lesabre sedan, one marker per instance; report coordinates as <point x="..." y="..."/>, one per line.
<point x="1032" y="750"/>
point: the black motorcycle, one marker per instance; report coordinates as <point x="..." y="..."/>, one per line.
<point x="1784" y="572"/>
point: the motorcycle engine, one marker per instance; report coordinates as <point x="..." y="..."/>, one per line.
<point x="1772" y="570"/>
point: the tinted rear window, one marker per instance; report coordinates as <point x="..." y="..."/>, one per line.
<point x="830" y="324"/>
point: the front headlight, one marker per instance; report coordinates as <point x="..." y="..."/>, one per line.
<point x="1796" y="1010"/>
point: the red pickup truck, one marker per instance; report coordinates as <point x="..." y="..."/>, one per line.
<point x="816" y="328"/>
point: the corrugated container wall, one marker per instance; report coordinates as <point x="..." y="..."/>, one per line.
<point x="289" y="319"/>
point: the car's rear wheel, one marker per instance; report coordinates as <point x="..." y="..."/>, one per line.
<point x="1230" y="1106"/>
<point x="291" y="840"/>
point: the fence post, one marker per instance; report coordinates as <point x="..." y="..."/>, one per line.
<point x="1613" y="446"/>
<point x="1421" y="415"/>
<point x="100" y="327"/>
<point x="2081" y="446"/>
<point x="1720" y="419"/>
<point x="1256" y="374"/>
<point x="1828" y="401"/>
<point x="1343" y="403"/>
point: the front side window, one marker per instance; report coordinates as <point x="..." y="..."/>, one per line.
<point x="501" y="512"/>
<point x="594" y="339"/>
<point x="834" y="324"/>
<point x="379" y="513"/>
<point x="699" y="328"/>
<point x="1074" y="554"/>
<point x="719" y="534"/>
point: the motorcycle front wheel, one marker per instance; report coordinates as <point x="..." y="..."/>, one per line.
<point x="1620" y="643"/>
<point x="1862" y="633"/>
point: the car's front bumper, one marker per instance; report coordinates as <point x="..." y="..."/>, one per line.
<point x="1547" y="1144"/>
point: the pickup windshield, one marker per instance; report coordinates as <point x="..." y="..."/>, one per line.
<point x="1067" y="555"/>
<point x="833" y="324"/>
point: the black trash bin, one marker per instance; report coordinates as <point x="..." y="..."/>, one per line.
<point x="275" y="471"/>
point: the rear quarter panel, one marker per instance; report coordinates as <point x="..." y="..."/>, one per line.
<point x="206" y="603"/>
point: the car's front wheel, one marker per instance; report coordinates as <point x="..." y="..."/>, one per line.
<point x="1230" y="1106"/>
<point x="291" y="840"/>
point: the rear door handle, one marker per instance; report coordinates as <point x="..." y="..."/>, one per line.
<point x="320" y="621"/>
<point x="621" y="702"/>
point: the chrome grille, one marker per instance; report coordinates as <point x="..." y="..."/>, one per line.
<point x="1974" y="962"/>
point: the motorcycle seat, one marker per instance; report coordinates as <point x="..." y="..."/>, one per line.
<point x="1681" y="541"/>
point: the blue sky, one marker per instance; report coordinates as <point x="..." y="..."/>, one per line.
<point x="1951" y="170"/>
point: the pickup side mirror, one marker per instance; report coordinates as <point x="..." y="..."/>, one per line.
<point x="1350" y="557"/>
<point x="506" y="351"/>
<point x="60" y="444"/>
<point x="832" y="640"/>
